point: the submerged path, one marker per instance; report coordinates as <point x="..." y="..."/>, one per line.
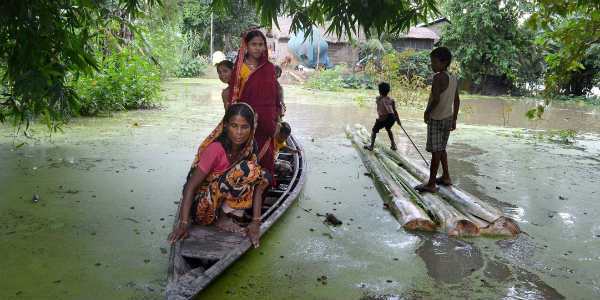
<point x="105" y="203"/>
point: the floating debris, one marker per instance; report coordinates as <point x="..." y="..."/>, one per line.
<point x="331" y="219"/>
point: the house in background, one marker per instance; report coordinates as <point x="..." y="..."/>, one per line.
<point x="339" y="50"/>
<point x="422" y="36"/>
<point x="342" y="50"/>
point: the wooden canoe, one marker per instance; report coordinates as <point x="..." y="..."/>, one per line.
<point x="196" y="261"/>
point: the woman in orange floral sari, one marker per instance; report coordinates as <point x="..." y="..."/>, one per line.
<point x="225" y="179"/>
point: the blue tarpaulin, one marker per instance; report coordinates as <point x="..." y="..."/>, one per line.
<point x="306" y="49"/>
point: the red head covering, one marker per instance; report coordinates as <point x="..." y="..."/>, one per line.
<point x="235" y="84"/>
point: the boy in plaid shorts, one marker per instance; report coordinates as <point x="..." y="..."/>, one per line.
<point x="440" y="116"/>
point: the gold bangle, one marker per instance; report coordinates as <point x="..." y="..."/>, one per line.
<point x="184" y="222"/>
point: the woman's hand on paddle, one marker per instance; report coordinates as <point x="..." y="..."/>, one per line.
<point x="254" y="233"/>
<point x="180" y="233"/>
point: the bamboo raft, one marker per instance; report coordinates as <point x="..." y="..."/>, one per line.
<point x="196" y="261"/>
<point x="450" y="210"/>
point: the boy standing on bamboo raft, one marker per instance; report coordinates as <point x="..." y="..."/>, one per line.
<point x="386" y="116"/>
<point x="440" y="115"/>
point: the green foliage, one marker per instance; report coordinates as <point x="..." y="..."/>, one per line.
<point x="402" y="73"/>
<point x="126" y="80"/>
<point x="415" y="63"/>
<point x="372" y="49"/>
<point x="535" y="113"/>
<point x="487" y="41"/>
<point x="43" y="41"/>
<point x="339" y="78"/>
<point x="328" y="80"/>
<point x="165" y="44"/>
<point x="563" y="136"/>
<point x="192" y="66"/>
<point x="343" y="16"/>
<point x="566" y="136"/>
<point x="227" y="25"/>
<point x="357" y="81"/>
<point x="569" y="29"/>
<point x="578" y="82"/>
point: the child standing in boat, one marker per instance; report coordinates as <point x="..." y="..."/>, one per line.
<point x="278" y="72"/>
<point x="224" y="70"/>
<point x="386" y="115"/>
<point x="440" y="115"/>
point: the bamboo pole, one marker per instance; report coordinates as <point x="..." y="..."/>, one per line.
<point x="449" y="218"/>
<point x="470" y="205"/>
<point x="410" y="216"/>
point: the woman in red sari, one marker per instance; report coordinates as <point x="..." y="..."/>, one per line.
<point x="254" y="83"/>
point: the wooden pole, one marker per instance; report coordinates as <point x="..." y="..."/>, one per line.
<point x="318" y="53"/>
<point x="211" y="37"/>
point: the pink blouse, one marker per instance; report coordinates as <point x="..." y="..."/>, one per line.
<point x="213" y="159"/>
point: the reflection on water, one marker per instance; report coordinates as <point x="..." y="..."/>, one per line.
<point x="449" y="260"/>
<point x="511" y="113"/>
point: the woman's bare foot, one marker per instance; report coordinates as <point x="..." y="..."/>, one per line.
<point x="424" y="187"/>
<point x="225" y="223"/>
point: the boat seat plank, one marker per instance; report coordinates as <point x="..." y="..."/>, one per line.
<point x="202" y="249"/>
<point x="210" y="234"/>
<point x="270" y="200"/>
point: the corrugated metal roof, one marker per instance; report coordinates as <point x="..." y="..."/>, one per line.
<point x="421" y="33"/>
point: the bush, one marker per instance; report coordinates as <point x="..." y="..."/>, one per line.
<point x="328" y="80"/>
<point x="401" y="71"/>
<point x="192" y="67"/>
<point x="414" y="63"/>
<point x="357" y="81"/>
<point x="165" y="46"/>
<point x="126" y="80"/>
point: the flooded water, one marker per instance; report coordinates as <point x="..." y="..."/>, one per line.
<point x="86" y="213"/>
